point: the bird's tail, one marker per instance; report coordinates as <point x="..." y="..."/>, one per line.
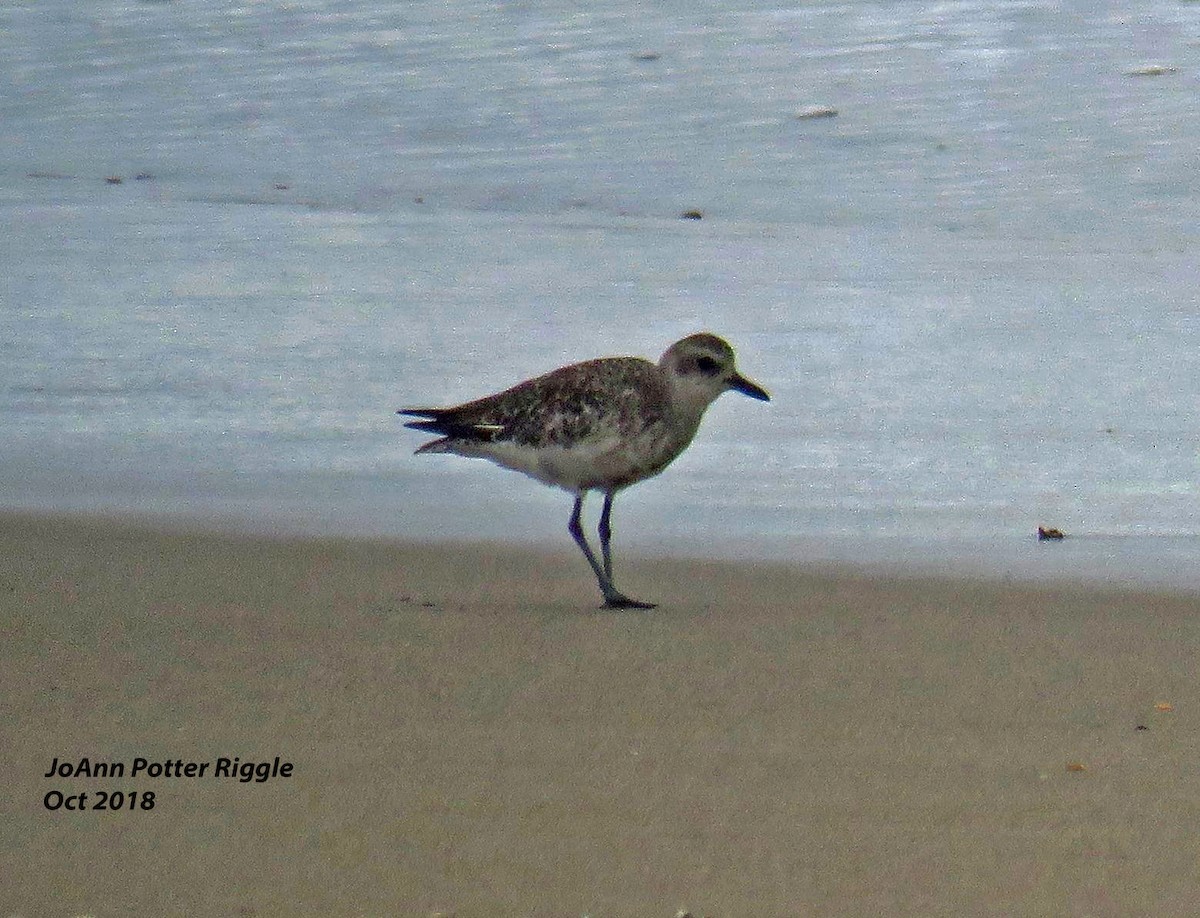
<point x="446" y="423"/>
<point x="434" y="423"/>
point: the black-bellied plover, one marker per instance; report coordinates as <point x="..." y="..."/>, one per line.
<point x="600" y="425"/>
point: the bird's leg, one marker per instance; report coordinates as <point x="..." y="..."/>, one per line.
<point x="605" y="531"/>
<point x="613" y="598"/>
<point x="575" y="527"/>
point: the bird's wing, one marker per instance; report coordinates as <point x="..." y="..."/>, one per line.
<point x="574" y="405"/>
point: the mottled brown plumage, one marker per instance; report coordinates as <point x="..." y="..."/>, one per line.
<point x="563" y="408"/>
<point x="599" y="425"/>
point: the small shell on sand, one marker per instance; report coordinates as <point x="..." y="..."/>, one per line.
<point x="816" y="111"/>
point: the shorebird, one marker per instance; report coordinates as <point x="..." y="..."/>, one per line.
<point x="600" y="425"/>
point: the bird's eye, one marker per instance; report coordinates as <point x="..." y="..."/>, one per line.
<point x="707" y="365"/>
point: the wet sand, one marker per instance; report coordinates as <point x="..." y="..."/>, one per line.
<point x="470" y="735"/>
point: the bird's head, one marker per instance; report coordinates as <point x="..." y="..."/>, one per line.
<point x="701" y="367"/>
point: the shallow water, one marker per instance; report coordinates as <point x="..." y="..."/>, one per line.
<point x="971" y="293"/>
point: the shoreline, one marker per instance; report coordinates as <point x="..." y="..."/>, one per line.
<point x="468" y="733"/>
<point x="1081" y="561"/>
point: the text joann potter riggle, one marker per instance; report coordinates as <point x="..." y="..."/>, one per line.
<point x="141" y="769"/>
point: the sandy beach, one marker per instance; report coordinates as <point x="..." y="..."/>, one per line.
<point x="469" y="734"/>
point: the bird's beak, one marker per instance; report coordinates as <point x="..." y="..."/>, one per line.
<point x="740" y="384"/>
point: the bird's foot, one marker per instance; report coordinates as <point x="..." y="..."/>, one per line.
<point x="620" y="601"/>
